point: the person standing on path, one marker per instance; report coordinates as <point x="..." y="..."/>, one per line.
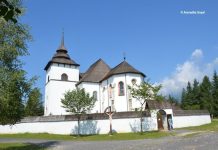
<point x="170" y="121"/>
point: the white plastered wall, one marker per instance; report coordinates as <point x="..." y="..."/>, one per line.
<point x="55" y="88"/>
<point x="121" y="103"/>
<point x="86" y="127"/>
<point x="101" y="126"/>
<point x="187" y="121"/>
<point x="90" y="88"/>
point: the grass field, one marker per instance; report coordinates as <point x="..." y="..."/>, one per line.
<point x="120" y="136"/>
<point x="103" y="137"/>
<point x="207" y="127"/>
<point x="19" y="146"/>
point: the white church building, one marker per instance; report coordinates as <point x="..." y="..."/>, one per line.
<point x="109" y="86"/>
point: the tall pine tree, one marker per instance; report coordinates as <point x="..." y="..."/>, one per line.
<point x="206" y="99"/>
<point x="189" y="96"/>
<point x="195" y="95"/>
<point x="215" y="93"/>
<point x="184" y="103"/>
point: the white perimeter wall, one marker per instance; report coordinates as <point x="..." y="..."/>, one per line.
<point x="86" y="127"/>
<point x="187" y="121"/>
<point x="102" y="126"/>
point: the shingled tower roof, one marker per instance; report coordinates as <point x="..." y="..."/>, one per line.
<point x="96" y="72"/>
<point x="123" y="67"/>
<point x="61" y="56"/>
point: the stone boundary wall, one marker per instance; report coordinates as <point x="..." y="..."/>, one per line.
<point x="190" y="112"/>
<point x="83" y="117"/>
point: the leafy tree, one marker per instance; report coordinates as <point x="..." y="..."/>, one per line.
<point x="34" y="105"/>
<point x="206" y="99"/>
<point x="13" y="82"/>
<point x="215" y="93"/>
<point x="143" y="92"/>
<point x="8" y="10"/>
<point x="78" y="102"/>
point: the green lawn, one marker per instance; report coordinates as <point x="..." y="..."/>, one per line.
<point x="120" y="136"/>
<point x="207" y="127"/>
<point x="19" y="146"/>
<point x="102" y="137"/>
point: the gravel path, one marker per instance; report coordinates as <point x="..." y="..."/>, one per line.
<point x="201" y="141"/>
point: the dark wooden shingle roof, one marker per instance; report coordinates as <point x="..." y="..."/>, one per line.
<point x="96" y="72"/>
<point x="123" y="67"/>
<point x="61" y="57"/>
<point x="154" y="104"/>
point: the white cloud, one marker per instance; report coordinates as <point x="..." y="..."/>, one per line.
<point x="188" y="71"/>
<point x="197" y="54"/>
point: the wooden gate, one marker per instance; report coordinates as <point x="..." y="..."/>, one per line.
<point x="160" y="122"/>
<point x="160" y="115"/>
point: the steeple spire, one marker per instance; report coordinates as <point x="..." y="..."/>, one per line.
<point x="124" y="56"/>
<point x="62" y="40"/>
<point x="62" y="47"/>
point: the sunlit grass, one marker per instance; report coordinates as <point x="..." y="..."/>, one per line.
<point x="213" y="126"/>
<point x="101" y="137"/>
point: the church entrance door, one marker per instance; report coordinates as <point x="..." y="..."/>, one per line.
<point x="161" y="117"/>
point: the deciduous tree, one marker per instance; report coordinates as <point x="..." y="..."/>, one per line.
<point x="143" y="92"/>
<point x="13" y="82"/>
<point x="78" y="102"/>
<point x="8" y="10"/>
<point x="34" y="106"/>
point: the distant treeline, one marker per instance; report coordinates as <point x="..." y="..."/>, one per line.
<point x="201" y="95"/>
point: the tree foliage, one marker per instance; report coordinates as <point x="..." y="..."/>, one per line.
<point x="215" y="93"/>
<point x="13" y="82"/>
<point x="78" y="102"/>
<point x="34" y="106"/>
<point x="8" y="10"/>
<point x="143" y="92"/>
<point x="202" y="95"/>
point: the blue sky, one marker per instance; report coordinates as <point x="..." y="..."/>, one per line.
<point x="168" y="46"/>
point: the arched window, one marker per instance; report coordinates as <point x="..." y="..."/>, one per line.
<point x="95" y="95"/>
<point x="110" y="91"/>
<point x="64" y="77"/>
<point x="133" y="81"/>
<point x="121" y="88"/>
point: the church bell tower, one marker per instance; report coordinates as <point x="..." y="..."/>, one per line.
<point x="62" y="74"/>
